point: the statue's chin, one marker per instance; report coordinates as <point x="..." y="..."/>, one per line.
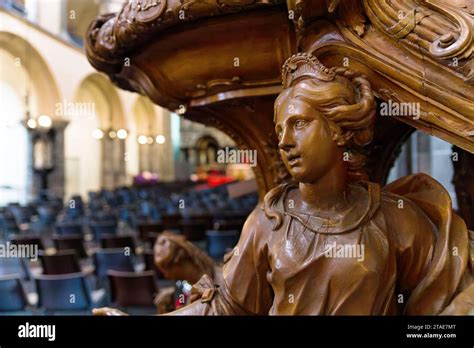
<point x="299" y="176"/>
<point x="302" y="175"/>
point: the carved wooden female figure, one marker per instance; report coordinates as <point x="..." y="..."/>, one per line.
<point x="330" y="242"/>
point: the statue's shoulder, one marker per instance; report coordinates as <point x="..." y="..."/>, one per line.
<point x="401" y="211"/>
<point x="417" y="192"/>
<point x="276" y="195"/>
<point x="412" y="203"/>
<point x="273" y="204"/>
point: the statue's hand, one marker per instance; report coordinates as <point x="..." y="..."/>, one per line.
<point x="107" y="311"/>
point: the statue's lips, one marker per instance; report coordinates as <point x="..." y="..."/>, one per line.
<point x="294" y="160"/>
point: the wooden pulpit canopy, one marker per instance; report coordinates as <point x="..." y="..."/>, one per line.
<point x="218" y="62"/>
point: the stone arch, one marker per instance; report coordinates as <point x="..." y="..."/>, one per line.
<point x="43" y="86"/>
<point x="24" y="72"/>
<point x="145" y="116"/>
<point x="109" y="109"/>
<point x="107" y="118"/>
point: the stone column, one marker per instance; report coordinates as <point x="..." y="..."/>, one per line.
<point x="167" y="148"/>
<point x="107" y="162"/>
<point x="121" y="165"/>
<point x="142" y="158"/>
<point x="155" y="159"/>
<point x="56" y="179"/>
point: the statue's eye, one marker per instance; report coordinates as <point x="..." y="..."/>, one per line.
<point x="300" y="123"/>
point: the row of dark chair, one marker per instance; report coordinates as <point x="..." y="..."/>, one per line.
<point x="144" y="201"/>
<point x="71" y="293"/>
<point x="218" y="241"/>
<point x="67" y="261"/>
<point x="75" y="242"/>
<point x="66" y="285"/>
<point x="192" y="227"/>
<point x="62" y="272"/>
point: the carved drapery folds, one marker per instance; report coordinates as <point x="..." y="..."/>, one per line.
<point x="217" y="58"/>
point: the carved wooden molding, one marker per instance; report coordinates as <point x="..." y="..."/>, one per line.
<point x="110" y="37"/>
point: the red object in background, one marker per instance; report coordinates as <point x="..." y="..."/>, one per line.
<point x="181" y="300"/>
<point x="178" y="304"/>
<point x="214" y="180"/>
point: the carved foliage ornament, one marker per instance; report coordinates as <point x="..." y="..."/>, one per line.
<point x="442" y="30"/>
<point x="438" y="29"/>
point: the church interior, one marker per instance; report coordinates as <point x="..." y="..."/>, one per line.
<point x="136" y="137"/>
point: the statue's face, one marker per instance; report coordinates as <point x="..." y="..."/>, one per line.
<point x="163" y="249"/>
<point x="305" y="141"/>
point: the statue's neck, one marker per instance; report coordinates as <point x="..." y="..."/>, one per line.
<point x="328" y="193"/>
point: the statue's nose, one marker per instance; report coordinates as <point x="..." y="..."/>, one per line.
<point x="286" y="141"/>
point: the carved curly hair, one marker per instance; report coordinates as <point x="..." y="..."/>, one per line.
<point x="181" y="249"/>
